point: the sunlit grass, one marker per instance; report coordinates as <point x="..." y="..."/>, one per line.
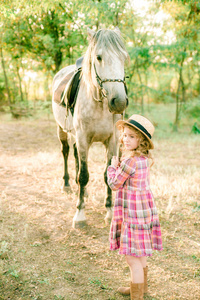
<point x="45" y="257"/>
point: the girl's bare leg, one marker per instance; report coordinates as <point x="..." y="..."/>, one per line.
<point x="143" y="260"/>
<point x="136" y="265"/>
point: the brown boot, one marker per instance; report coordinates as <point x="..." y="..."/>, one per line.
<point x="145" y="280"/>
<point x="124" y="290"/>
<point x="137" y="291"/>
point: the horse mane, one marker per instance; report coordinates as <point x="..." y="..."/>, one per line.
<point x="106" y="40"/>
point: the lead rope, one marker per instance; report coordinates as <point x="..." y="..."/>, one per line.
<point x="116" y="145"/>
<point x="114" y="136"/>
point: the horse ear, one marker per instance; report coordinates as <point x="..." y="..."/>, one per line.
<point x="117" y="30"/>
<point x="90" y="32"/>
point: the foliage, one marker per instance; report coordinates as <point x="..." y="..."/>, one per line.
<point x="196" y="130"/>
<point x="162" y="41"/>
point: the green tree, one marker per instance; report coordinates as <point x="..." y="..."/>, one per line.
<point x="187" y="29"/>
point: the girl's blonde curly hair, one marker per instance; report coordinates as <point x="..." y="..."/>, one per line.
<point x="143" y="148"/>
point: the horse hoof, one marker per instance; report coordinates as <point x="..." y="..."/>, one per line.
<point x="66" y="188"/>
<point x="79" y="219"/>
<point x="107" y="221"/>
<point x="109" y="213"/>
<point x="81" y="224"/>
<point x="86" y="194"/>
<point x="108" y="216"/>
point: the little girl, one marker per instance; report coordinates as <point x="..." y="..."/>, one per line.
<point x="135" y="228"/>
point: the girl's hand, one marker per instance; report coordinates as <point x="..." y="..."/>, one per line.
<point x="115" y="161"/>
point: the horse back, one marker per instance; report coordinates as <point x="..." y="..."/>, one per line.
<point x="60" y="81"/>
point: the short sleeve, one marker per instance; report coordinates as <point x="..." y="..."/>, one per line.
<point x="118" y="176"/>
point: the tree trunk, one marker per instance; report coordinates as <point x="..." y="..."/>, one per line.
<point x="147" y="90"/>
<point x="117" y="19"/>
<point x="182" y="84"/>
<point x="177" y="107"/>
<point x="178" y="103"/>
<point x="190" y="81"/>
<point x="6" y="80"/>
<point x="142" y="99"/>
<point x="20" y="84"/>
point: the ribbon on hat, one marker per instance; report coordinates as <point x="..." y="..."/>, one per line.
<point x="138" y="125"/>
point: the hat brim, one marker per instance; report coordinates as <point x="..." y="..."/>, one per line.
<point x="121" y="123"/>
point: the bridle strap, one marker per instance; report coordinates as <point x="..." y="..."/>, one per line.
<point x="101" y="81"/>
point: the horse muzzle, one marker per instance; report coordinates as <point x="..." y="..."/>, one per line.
<point x="117" y="105"/>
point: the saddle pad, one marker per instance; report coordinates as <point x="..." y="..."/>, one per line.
<point x="72" y="90"/>
<point x="67" y="90"/>
<point x="58" y="93"/>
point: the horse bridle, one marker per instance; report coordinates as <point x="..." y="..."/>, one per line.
<point x="101" y="81"/>
<point x="103" y="94"/>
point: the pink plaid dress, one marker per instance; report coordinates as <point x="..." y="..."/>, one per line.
<point x="135" y="228"/>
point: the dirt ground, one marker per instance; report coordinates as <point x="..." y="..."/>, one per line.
<point x="43" y="257"/>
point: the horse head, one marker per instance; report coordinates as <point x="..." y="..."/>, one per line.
<point x="104" y="65"/>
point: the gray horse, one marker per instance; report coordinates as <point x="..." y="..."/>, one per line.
<point x="101" y="95"/>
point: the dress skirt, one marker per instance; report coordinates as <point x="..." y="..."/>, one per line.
<point x="135" y="240"/>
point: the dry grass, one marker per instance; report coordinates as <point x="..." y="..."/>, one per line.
<point x="42" y="257"/>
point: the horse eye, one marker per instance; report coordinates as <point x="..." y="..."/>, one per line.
<point x="99" y="58"/>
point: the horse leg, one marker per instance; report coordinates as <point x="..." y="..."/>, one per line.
<point x="108" y="199"/>
<point x="65" y="151"/>
<point x="76" y="161"/>
<point x="77" y="167"/>
<point x="82" y="180"/>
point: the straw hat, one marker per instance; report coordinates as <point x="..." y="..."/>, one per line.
<point x="140" y="123"/>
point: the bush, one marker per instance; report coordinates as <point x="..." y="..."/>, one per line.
<point x="193" y="110"/>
